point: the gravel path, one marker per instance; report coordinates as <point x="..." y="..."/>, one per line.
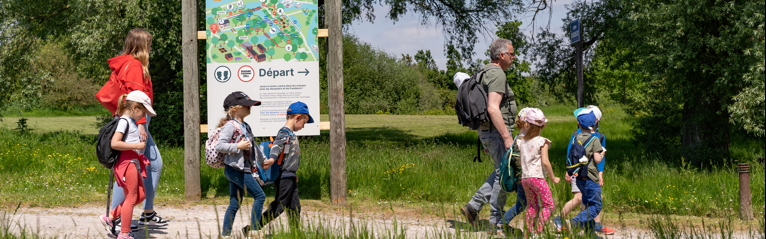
<point x="200" y="222"/>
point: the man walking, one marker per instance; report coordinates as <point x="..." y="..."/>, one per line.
<point x="496" y="135"/>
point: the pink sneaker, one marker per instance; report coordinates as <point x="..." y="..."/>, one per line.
<point x="125" y="236"/>
<point x="108" y="224"/>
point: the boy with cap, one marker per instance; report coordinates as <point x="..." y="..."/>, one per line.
<point x="286" y="153"/>
<point x="588" y="183"/>
<point x="577" y="199"/>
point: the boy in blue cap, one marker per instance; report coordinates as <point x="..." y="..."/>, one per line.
<point x="577" y="199"/>
<point x="588" y="183"/>
<point x="286" y="196"/>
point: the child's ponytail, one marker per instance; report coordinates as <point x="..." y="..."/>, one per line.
<point x="121" y="104"/>
<point x="229" y="115"/>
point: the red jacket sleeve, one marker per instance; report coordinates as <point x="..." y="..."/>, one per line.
<point x="134" y="80"/>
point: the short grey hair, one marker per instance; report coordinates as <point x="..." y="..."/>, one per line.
<point x="498" y="46"/>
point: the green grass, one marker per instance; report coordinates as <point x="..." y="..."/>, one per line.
<point x="88" y="110"/>
<point x="398" y="158"/>
<point x="83" y="124"/>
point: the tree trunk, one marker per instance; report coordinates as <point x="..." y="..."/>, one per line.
<point x="704" y="132"/>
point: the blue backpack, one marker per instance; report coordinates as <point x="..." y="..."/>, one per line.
<point x="269" y="176"/>
<point x="577" y="152"/>
<point x="508" y="169"/>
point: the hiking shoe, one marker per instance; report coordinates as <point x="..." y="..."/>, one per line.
<point x="151" y="219"/>
<point x="118" y="224"/>
<point x="108" y="224"/>
<point x="470" y="214"/>
<point x="606" y="231"/>
<point x="125" y="236"/>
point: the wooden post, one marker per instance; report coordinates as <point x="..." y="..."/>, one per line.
<point x="191" y="100"/>
<point x="337" y="115"/>
<point x="580" y="102"/>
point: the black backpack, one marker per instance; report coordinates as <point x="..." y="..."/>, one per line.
<point x="471" y="102"/>
<point x="471" y="105"/>
<point x="574" y="166"/>
<point x="104" y="152"/>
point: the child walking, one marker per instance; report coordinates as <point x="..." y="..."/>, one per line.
<point x="131" y="167"/>
<point x="235" y="140"/>
<point x="534" y="158"/>
<point x="286" y="152"/>
<point x="521" y="198"/>
<point x="577" y="199"/>
<point x="588" y="182"/>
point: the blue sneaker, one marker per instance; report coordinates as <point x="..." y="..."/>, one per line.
<point x="557" y="223"/>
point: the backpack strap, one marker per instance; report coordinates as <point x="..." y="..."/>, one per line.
<point x="282" y="154"/>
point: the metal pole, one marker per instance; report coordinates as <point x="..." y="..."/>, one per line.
<point x="337" y="115"/>
<point x="192" y="189"/>
<point x="745" y="205"/>
<point x="580" y="103"/>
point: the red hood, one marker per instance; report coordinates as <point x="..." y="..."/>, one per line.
<point x="117" y="63"/>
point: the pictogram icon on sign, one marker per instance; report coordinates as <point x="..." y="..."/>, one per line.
<point x="222" y="74"/>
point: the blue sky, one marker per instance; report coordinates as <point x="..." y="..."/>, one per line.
<point x="386" y="34"/>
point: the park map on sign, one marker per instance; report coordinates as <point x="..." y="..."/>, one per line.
<point x="255" y="31"/>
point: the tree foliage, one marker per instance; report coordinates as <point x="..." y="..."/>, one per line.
<point x="686" y="68"/>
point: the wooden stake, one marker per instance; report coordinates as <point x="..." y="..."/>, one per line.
<point x="337" y="116"/>
<point x="191" y="100"/>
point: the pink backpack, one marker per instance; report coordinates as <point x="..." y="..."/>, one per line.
<point x="213" y="158"/>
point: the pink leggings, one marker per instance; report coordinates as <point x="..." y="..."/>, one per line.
<point x="134" y="194"/>
<point x="535" y="188"/>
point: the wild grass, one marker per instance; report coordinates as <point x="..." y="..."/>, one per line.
<point x="408" y="159"/>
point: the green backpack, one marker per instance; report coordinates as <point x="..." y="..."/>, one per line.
<point x="509" y="168"/>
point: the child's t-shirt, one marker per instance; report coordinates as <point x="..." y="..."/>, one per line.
<point x="132" y="136"/>
<point x="531" y="157"/>
<point x="593" y="147"/>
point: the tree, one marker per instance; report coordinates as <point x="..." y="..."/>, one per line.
<point x="304" y="56"/>
<point x="224" y="37"/>
<point x="690" y="74"/>
<point x="295" y="48"/>
<point x="424" y="60"/>
<point x="215" y="40"/>
<point x="270" y="52"/>
<point x="287" y="56"/>
<point x="460" y="21"/>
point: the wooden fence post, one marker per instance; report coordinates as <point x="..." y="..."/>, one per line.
<point x="337" y="115"/>
<point x="192" y="185"/>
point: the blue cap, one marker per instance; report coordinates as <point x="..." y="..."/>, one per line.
<point x="587" y="120"/>
<point x="300" y="108"/>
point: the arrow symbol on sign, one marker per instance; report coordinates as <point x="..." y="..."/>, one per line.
<point x="307" y="72"/>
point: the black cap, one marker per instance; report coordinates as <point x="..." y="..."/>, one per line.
<point x="239" y="98"/>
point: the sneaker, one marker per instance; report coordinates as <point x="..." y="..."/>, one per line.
<point x="557" y="223"/>
<point x="108" y="224"/>
<point x="118" y="224"/>
<point x="252" y="234"/>
<point x="470" y="214"/>
<point x="606" y="231"/>
<point x="125" y="236"/>
<point x="151" y="219"/>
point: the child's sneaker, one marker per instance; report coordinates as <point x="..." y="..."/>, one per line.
<point x="125" y="236"/>
<point x="252" y="234"/>
<point x="118" y="224"/>
<point x="606" y="230"/>
<point x="108" y="224"/>
<point x="151" y="219"/>
<point x="557" y="223"/>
